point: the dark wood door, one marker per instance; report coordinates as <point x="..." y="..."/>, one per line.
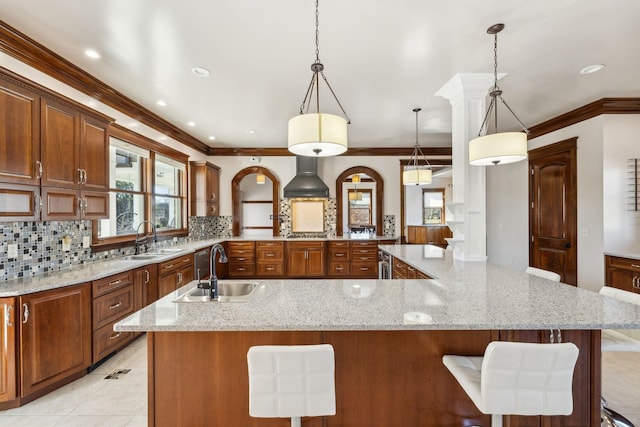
<point x="8" y="350"/>
<point x="60" y="146"/>
<point x="94" y="154"/>
<point x="19" y="135"/>
<point x="553" y="210"/>
<point x="55" y="335"/>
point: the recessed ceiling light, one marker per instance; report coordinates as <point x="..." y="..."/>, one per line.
<point x="92" y="54"/>
<point x="192" y="124"/>
<point x="161" y="103"/>
<point x="592" y="69"/>
<point x="250" y="131"/>
<point x="212" y="138"/>
<point x="200" y="71"/>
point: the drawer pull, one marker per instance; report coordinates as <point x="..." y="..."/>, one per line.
<point x="364" y="258"/>
<point x="339" y="268"/>
<point x="168" y="266"/>
<point x="635" y="265"/>
<point x="115" y="282"/>
<point x="116" y="305"/>
<point x="410" y="269"/>
<point x="364" y="268"/>
<point x="147" y="277"/>
<point x="25" y="309"/>
<point x="339" y="254"/>
<point x="240" y="268"/>
<point x="7" y="316"/>
<point x="114" y="336"/>
<point x="270" y="268"/>
<point x="271" y="254"/>
<point x="240" y="259"/>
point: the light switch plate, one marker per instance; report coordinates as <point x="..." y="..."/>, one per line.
<point x="86" y="241"/>
<point x="12" y="250"/>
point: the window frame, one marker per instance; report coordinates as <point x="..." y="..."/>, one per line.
<point x="368" y="191"/>
<point x="424" y="208"/>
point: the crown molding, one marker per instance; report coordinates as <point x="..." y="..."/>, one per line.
<point x="32" y="53"/>
<point x="359" y="151"/>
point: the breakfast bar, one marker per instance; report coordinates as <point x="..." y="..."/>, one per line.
<point x="389" y="337"/>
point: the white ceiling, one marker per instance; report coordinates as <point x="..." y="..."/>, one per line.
<point x="382" y="57"/>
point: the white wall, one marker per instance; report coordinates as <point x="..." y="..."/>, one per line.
<point x="621" y="225"/>
<point x="508" y="214"/>
<point x="413" y="200"/>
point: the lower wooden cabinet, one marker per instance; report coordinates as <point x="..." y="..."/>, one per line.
<point x="145" y="285"/>
<point x="8" y="355"/>
<point x="402" y="270"/>
<point x="174" y="273"/>
<point x="623" y="273"/>
<point x="269" y="259"/>
<point x="428" y="234"/>
<point x="305" y="259"/>
<point x="55" y="337"/>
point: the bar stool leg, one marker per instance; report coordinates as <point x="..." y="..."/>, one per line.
<point x="296" y="422"/>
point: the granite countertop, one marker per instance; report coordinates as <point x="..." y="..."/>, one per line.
<point x="630" y="255"/>
<point x="462" y="295"/>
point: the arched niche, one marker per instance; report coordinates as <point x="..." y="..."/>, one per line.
<point x="379" y="195"/>
<point x="237" y="202"/>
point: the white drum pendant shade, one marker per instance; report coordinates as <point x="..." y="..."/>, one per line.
<point x="416" y="176"/>
<point x="498" y="149"/>
<point x="317" y="135"/>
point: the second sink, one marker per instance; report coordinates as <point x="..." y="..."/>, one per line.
<point x="228" y="291"/>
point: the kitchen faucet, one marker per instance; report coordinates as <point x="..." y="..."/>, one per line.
<point x="213" y="279"/>
<point x="140" y="240"/>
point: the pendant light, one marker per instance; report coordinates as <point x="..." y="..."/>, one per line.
<point x="418" y="171"/>
<point x="497" y="148"/>
<point x="355" y="194"/>
<point x="318" y="134"/>
<point x="260" y="178"/>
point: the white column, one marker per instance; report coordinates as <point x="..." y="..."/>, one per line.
<point x="467" y="94"/>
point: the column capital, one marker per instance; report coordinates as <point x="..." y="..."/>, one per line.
<point x="467" y="85"/>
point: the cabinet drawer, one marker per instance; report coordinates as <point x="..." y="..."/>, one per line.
<point x="270" y="245"/>
<point x="270" y="269"/>
<point x="108" y="284"/>
<point x="399" y="269"/>
<point x="339" y="268"/>
<point x="241" y="250"/>
<point x="175" y="264"/>
<point x="624" y="263"/>
<point x="338" y="244"/>
<point x="364" y="251"/>
<point x="372" y="244"/>
<point x="112" y="306"/>
<point x="305" y="245"/>
<point x="364" y="258"/>
<point x="106" y="341"/>
<point x="368" y="269"/>
<point x="241" y="269"/>
<point x="270" y="254"/>
<point x="339" y="254"/>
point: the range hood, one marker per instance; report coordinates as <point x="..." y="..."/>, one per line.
<point x="306" y="183"/>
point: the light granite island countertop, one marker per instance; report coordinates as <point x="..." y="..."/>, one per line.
<point x="389" y="337"/>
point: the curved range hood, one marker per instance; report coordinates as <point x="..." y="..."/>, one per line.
<point x="306" y="183"/>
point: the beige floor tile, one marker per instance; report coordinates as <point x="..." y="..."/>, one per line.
<point x="93" y="421"/>
<point x="138" y="421"/>
<point x="29" y="420"/>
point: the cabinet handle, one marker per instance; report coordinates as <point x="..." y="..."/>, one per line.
<point x="7" y="315"/>
<point x="79" y="176"/>
<point x="339" y="254"/>
<point x="270" y="268"/>
<point x="39" y="169"/>
<point x="114" y="336"/>
<point x="166" y="267"/>
<point x="635" y="265"/>
<point x="115" y="282"/>
<point x="179" y="278"/>
<point x="213" y="197"/>
<point x="339" y="268"/>
<point x="147" y="277"/>
<point x="79" y="205"/>
<point x="38" y="204"/>
<point x="84" y="172"/>
<point x="410" y="269"/>
<point x="270" y="254"/>
<point x="25" y="308"/>
<point x="364" y="268"/>
<point x="240" y="269"/>
<point x="364" y="258"/>
<point x="116" y="305"/>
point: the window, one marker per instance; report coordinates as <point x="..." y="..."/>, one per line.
<point x="433" y="206"/>
<point x="359" y="207"/>
<point x="145" y="188"/>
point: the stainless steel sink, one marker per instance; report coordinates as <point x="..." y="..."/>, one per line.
<point x="166" y="251"/>
<point x="141" y="256"/>
<point x="228" y="291"/>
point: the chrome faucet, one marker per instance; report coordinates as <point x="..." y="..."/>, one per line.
<point x="213" y="279"/>
<point x="144" y="240"/>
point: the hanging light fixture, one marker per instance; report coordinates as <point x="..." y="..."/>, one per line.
<point x="260" y="178"/>
<point x="318" y="134"/>
<point x="418" y="171"/>
<point x="355" y="194"/>
<point x="355" y="178"/>
<point x="497" y="148"/>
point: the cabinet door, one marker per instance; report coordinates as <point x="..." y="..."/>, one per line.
<point x="213" y="185"/>
<point x="94" y="154"/>
<point x="55" y="335"/>
<point x="8" y="350"/>
<point x="315" y="262"/>
<point x="62" y="204"/>
<point x="146" y="285"/>
<point x="95" y="205"/>
<point x="60" y="146"/>
<point x="296" y="262"/>
<point x="167" y="284"/>
<point x="19" y="135"/>
<point x="20" y="202"/>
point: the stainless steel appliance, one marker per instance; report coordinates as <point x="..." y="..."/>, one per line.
<point x="201" y="264"/>
<point x="384" y="265"/>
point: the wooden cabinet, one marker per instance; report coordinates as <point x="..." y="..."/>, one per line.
<point x="60" y="145"/>
<point x="402" y="270"/>
<point x="55" y="337"/>
<point x="270" y="259"/>
<point x="428" y="234"/>
<point x="305" y="259"/>
<point x="339" y="258"/>
<point x="205" y="188"/>
<point x="174" y="273"/>
<point x="241" y="259"/>
<point x="20" y="202"/>
<point x="8" y="355"/>
<point x="623" y="273"/>
<point x="364" y="259"/>
<point x="145" y="285"/>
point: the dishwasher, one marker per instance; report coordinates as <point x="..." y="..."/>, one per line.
<point x="201" y="264"/>
<point x="384" y="265"/>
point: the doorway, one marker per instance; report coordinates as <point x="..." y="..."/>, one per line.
<point x="240" y="201"/>
<point x="553" y="199"/>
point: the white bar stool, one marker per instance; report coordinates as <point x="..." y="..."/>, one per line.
<point x="516" y="378"/>
<point x="546" y="274"/>
<point x="291" y="381"/>
<point x="618" y="340"/>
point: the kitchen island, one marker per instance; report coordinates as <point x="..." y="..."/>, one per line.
<point x="389" y="337"/>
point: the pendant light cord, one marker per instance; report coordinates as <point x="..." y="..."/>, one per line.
<point x="417" y="151"/>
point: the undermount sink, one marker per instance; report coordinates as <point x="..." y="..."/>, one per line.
<point x="141" y="257"/>
<point x="228" y="291"/>
<point x="165" y="251"/>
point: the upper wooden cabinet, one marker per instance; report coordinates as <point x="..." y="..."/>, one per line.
<point x="205" y="188"/>
<point x="19" y="135"/>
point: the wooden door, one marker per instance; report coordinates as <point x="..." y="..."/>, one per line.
<point x="55" y="335"/>
<point x="8" y="350"/>
<point x="60" y="146"/>
<point x="19" y="135"/>
<point x="553" y="209"/>
<point x="94" y="154"/>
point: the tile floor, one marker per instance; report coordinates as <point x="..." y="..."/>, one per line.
<point x="93" y="401"/>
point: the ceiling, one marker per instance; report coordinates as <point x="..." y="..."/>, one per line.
<point x="382" y="58"/>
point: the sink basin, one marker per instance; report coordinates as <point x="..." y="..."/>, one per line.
<point x="167" y="251"/>
<point x="141" y="256"/>
<point x="228" y="291"/>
